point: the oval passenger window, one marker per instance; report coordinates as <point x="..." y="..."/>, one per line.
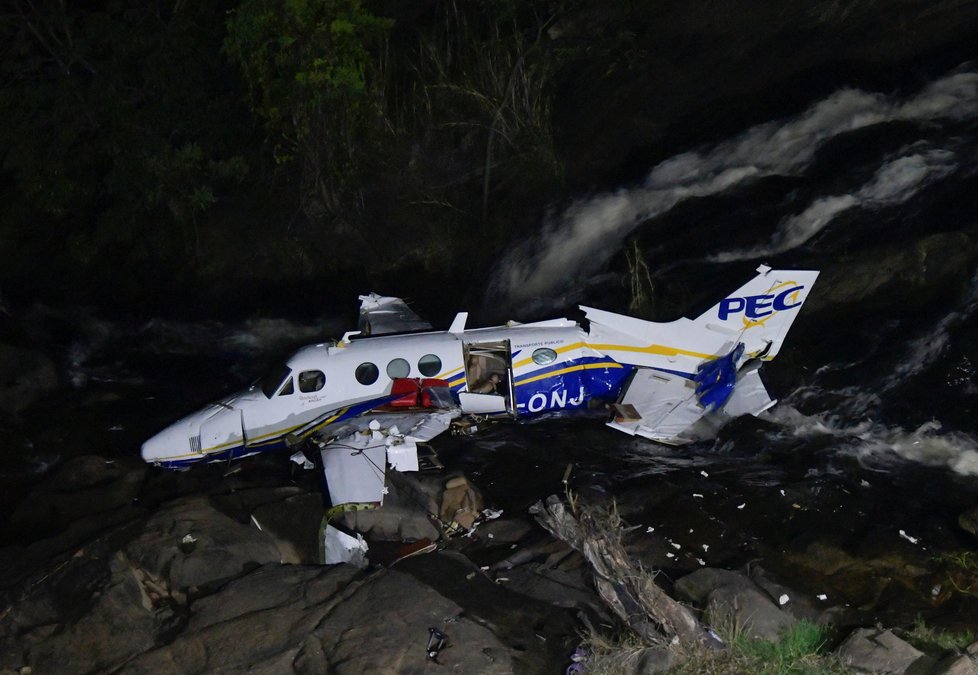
<point x="398" y="368"/>
<point x="367" y="373"/>
<point x="429" y="365"/>
<point x="543" y="356"/>
<point x="311" y="380"/>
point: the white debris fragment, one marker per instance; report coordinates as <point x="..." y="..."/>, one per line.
<point x="675" y="545"/>
<point x="701" y="561"/>
<point x="742" y="506"/>
<point x="783" y="600"/>
<point x="491" y="514"/>
<point x="491" y="535"/>
<point x="704" y="474"/>
<point x="340" y="547"/>
<point x="190" y="539"/>
<point x="697" y="495"/>
<point x="670" y="555"/>
<point x="303" y="461"/>
<point x="912" y="540"/>
<point x="706" y="547"/>
<point x="691" y="530"/>
<point x="650" y="530"/>
<point x="782" y="493"/>
<point x="822" y="596"/>
<point x="864" y="483"/>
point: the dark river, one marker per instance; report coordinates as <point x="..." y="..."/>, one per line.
<point x="872" y="446"/>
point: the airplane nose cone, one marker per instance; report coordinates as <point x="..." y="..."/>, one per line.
<point x="173" y="444"/>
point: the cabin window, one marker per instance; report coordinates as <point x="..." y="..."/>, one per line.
<point x="274" y="380"/>
<point x="311" y="380"/>
<point x="398" y="368"/>
<point x="289" y="388"/>
<point x="429" y="365"/>
<point x="543" y="356"/>
<point x="367" y="373"/>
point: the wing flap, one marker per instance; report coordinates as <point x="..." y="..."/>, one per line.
<point x="666" y="406"/>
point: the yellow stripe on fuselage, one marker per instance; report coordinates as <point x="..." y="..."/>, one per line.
<point x="555" y="373"/>
<point x="659" y="350"/>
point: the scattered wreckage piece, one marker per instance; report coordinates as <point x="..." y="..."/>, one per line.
<point x="631" y="593"/>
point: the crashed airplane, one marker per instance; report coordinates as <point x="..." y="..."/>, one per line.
<point x="368" y="400"/>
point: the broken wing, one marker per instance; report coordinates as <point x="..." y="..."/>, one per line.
<point x="381" y="315"/>
<point x="356" y="454"/>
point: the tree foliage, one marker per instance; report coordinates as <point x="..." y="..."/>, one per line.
<point x="119" y="129"/>
<point x="311" y="71"/>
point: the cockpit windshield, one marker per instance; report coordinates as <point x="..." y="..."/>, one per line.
<point x="271" y="382"/>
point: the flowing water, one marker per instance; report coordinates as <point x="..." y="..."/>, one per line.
<point x="873" y="446"/>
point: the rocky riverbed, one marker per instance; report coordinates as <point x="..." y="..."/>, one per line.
<point x="113" y="566"/>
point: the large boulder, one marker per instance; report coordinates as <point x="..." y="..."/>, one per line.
<point x="193" y="546"/>
<point x="731" y="599"/>
<point x="328" y="619"/>
<point x="408" y="513"/>
<point x="871" y="650"/>
<point x="89" y="615"/>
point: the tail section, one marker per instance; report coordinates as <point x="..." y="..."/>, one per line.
<point x="757" y="315"/>
<point x="762" y="310"/>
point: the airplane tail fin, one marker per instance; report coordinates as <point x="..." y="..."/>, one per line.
<point x="759" y="313"/>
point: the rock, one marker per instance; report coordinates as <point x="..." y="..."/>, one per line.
<point x="295" y="525"/>
<point x="325" y="619"/>
<point x="118" y="625"/>
<point x="559" y="587"/>
<point x="83" y="486"/>
<point x="20" y="562"/>
<point x="405" y="516"/>
<point x="25" y="376"/>
<point x="732" y="599"/>
<point x="655" y="660"/>
<point x="697" y="586"/>
<point x="870" y="650"/>
<point x="749" y="609"/>
<point x="504" y="530"/>
<point x="218" y="548"/>
<point x="798" y="605"/>
<point x="915" y="274"/>
<point x="968" y="521"/>
<point x="956" y="664"/>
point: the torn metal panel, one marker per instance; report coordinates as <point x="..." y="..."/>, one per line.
<point x="340" y="547"/>
<point x="355" y="469"/>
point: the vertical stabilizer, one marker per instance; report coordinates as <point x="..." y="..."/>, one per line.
<point x="762" y="310"/>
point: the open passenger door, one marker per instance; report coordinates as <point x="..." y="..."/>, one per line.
<point x="488" y="378"/>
